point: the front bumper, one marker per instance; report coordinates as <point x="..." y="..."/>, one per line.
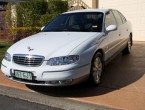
<point x="45" y="77"/>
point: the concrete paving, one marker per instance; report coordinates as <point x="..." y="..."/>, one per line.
<point x="123" y="84"/>
<point x="9" y="103"/>
<point x="46" y="100"/>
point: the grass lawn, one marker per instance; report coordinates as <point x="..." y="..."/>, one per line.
<point x="3" y="48"/>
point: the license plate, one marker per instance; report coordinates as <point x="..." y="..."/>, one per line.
<point x="23" y="75"/>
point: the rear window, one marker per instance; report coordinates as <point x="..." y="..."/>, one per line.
<point x="123" y="18"/>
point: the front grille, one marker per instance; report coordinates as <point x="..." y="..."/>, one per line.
<point x="28" y="60"/>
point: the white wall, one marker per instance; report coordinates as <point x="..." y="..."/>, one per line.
<point x="134" y="10"/>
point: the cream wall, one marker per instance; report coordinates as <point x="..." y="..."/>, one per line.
<point x="91" y="3"/>
<point x="134" y="10"/>
<point x="88" y="2"/>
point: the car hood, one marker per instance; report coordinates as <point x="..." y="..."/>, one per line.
<point x="50" y="44"/>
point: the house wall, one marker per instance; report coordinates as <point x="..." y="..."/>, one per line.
<point x="134" y="11"/>
<point x="91" y="3"/>
<point x="88" y="2"/>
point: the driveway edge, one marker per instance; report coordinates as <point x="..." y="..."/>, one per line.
<point x="48" y="100"/>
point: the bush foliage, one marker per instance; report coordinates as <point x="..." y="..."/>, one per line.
<point x="8" y="15"/>
<point x="34" y="13"/>
<point x="22" y="32"/>
<point x="29" y="13"/>
<point x="46" y="19"/>
<point x="57" y="6"/>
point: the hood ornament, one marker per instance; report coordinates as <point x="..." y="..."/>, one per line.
<point x="29" y="48"/>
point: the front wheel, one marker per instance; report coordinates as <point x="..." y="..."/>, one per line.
<point x="96" y="69"/>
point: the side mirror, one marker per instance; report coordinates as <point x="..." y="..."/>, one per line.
<point x="42" y="28"/>
<point x="111" y="28"/>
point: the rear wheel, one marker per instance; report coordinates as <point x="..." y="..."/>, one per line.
<point x="96" y="69"/>
<point x="127" y="49"/>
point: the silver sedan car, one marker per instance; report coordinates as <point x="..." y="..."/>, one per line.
<point x="72" y="48"/>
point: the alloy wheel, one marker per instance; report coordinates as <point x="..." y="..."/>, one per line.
<point x="97" y="69"/>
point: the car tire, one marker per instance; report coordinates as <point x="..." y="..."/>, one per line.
<point x="127" y="49"/>
<point x="97" y="68"/>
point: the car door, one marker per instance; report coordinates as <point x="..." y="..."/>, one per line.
<point x="122" y="30"/>
<point x="111" y="37"/>
<point x="125" y="28"/>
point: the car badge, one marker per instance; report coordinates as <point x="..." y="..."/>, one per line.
<point x="29" y="48"/>
<point x="29" y="59"/>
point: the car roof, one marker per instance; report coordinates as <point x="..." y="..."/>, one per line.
<point x="89" y="10"/>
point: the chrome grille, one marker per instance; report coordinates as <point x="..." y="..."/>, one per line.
<point x="28" y="60"/>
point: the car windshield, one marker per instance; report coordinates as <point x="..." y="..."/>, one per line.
<point x="76" y="22"/>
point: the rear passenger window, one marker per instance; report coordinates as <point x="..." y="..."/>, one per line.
<point x="110" y="20"/>
<point x="118" y="18"/>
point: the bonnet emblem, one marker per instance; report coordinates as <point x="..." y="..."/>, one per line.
<point x="29" y="48"/>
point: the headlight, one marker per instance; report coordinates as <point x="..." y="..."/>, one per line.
<point x="7" y="57"/>
<point x="63" y="60"/>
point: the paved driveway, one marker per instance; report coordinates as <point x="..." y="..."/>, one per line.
<point x="123" y="84"/>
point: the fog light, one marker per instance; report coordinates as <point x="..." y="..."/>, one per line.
<point x="59" y="82"/>
<point x="66" y="81"/>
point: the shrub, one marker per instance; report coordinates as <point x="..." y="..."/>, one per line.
<point x="8" y="15"/>
<point x="31" y="15"/>
<point x="45" y="19"/>
<point x="22" y="32"/>
<point x="57" y="6"/>
<point x="28" y="13"/>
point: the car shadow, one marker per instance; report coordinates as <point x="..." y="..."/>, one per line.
<point x="120" y="72"/>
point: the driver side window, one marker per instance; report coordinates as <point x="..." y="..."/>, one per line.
<point x="110" y="20"/>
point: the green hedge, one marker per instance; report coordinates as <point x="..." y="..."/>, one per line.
<point x="57" y="6"/>
<point x="22" y="32"/>
<point x="29" y="13"/>
<point x="32" y="14"/>
<point x="8" y="15"/>
<point x="15" y="31"/>
<point x="45" y="19"/>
